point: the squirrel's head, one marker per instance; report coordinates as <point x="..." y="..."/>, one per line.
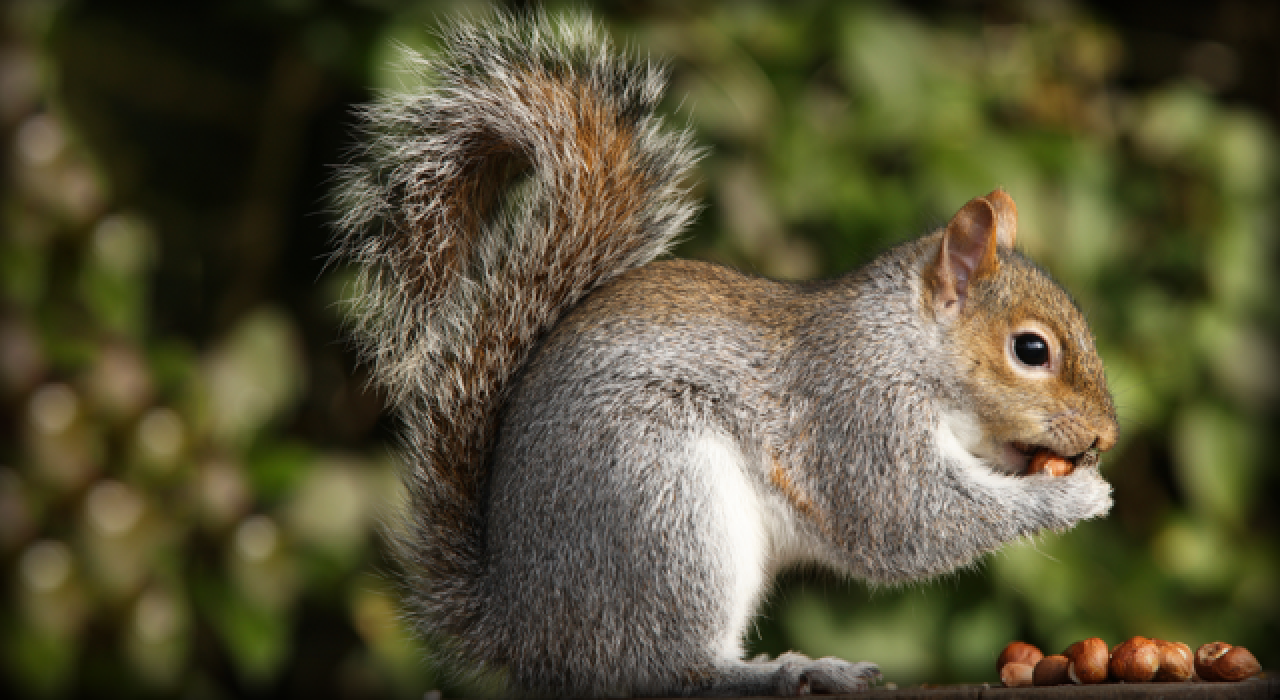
<point x="1028" y="374"/>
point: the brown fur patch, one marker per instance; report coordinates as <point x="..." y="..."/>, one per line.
<point x="779" y="478"/>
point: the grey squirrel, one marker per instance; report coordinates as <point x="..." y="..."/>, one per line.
<point x="610" y="457"/>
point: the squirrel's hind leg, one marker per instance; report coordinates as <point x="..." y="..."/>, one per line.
<point x="587" y="599"/>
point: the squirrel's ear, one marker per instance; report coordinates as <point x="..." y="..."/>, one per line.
<point x="1006" y="217"/>
<point x="968" y="251"/>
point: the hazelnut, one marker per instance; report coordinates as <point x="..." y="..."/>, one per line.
<point x="1087" y="661"/>
<point x="1175" y="661"/>
<point x="1049" y="463"/>
<point x="1206" y="655"/>
<point x="1135" y="660"/>
<point x="1016" y="675"/>
<point x="1052" y="670"/>
<point x="1237" y="665"/>
<point x="1019" y="652"/>
<point x="1219" y="661"/>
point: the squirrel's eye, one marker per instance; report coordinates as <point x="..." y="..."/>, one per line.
<point x="1031" y="349"/>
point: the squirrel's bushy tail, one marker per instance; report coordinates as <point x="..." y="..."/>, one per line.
<point x="525" y="170"/>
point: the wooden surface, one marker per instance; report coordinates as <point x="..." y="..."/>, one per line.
<point x="1254" y="688"/>
<point x="1265" y="686"/>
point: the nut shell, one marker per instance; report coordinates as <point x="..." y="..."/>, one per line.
<point x="1049" y="463"/>
<point x="1206" y="655"/>
<point x="1021" y="653"/>
<point x="1136" y="660"/>
<point x="1088" y="661"/>
<point x="1052" y="670"/>
<point x="1176" y="662"/>
<point x="1219" y="661"/>
<point x="1016" y="674"/>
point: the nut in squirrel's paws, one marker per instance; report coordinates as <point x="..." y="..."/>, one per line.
<point x="1049" y="463"/>
<point x="799" y="675"/>
<point x="1042" y="460"/>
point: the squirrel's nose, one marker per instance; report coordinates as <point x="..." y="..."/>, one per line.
<point x="1107" y="436"/>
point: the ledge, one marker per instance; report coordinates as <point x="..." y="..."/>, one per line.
<point x="1267" y="687"/>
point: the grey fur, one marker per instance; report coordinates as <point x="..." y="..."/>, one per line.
<point x="609" y="460"/>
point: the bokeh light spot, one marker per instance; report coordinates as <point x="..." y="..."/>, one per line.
<point x="114" y="508"/>
<point x="53" y="408"/>
<point x="40" y="139"/>
<point x="161" y="433"/>
<point x="257" y="537"/>
<point x="46" y="565"/>
<point x="155" y="616"/>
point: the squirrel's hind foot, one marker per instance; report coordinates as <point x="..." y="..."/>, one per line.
<point x="793" y="674"/>
<point x="801" y="675"/>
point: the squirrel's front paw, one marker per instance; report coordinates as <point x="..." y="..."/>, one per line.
<point x="1088" y="496"/>
<point x="799" y="675"/>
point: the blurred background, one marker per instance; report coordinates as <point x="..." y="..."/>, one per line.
<point x="192" y="471"/>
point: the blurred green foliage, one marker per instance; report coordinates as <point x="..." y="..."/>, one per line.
<point x="192" y="474"/>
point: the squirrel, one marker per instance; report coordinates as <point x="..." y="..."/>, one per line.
<point x="608" y="456"/>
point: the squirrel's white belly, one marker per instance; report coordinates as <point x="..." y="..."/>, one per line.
<point x="756" y="535"/>
<point x="742" y="540"/>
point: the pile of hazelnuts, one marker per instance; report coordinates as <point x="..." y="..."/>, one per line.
<point x="1138" y="660"/>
